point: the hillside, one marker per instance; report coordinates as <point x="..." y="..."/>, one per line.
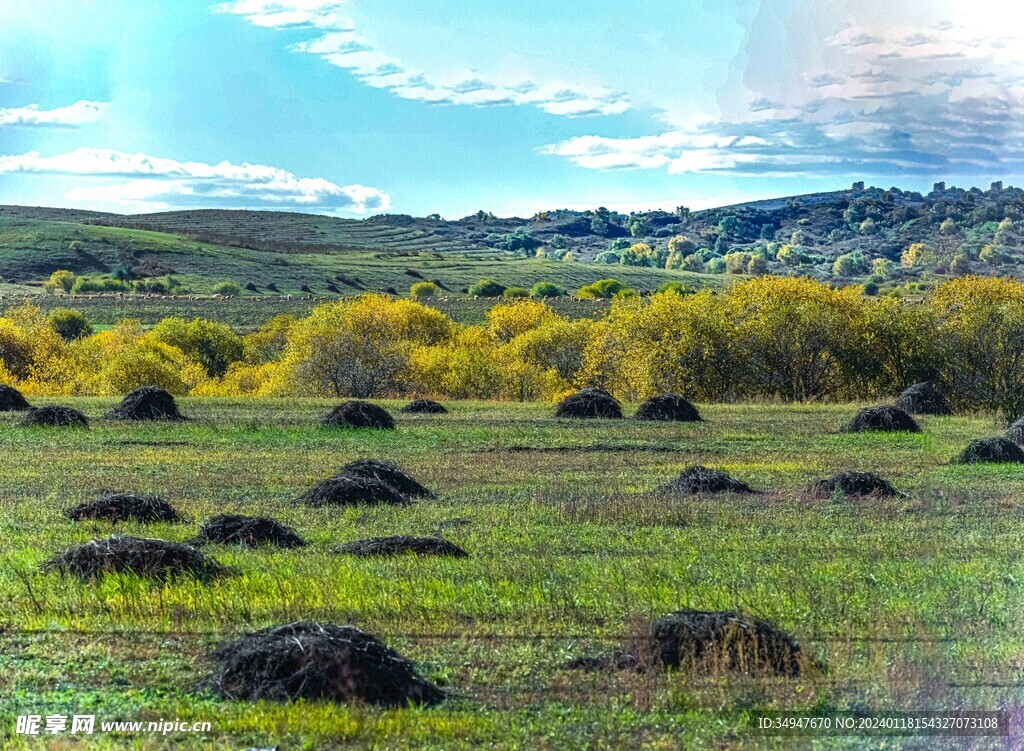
<point x="889" y="238"/>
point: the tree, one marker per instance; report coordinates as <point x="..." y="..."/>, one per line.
<point x="850" y="264"/>
<point x="917" y="254"/>
<point x="229" y="289"/>
<point x="682" y="245"/>
<point x="61" y="279"/>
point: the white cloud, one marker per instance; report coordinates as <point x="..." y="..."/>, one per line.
<point x="838" y="87"/>
<point x="79" y="113"/>
<point x="156" y="183"/>
<point x="341" y="45"/>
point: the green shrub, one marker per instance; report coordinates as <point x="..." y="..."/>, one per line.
<point x="515" y="292"/>
<point x="604" y="289"/>
<point x="486" y="288"/>
<point x="424" y="289"/>
<point x="70" y="324"/>
<point x="99" y="284"/>
<point x="546" y="289"/>
<point x="230" y="289"/>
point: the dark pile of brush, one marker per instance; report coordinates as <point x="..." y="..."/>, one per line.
<point x="119" y="507"/>
<point x="156" y="559"/>
<point x="248" y="532"/>
<point x="883" y="418"/>
<point x="591" y="402"/>
<point x="698" y="480"/>
<point x="147" y="403"/>
<point x="924" y="398"/>
<point x="55" y="416"/>
<point x="357" y="414"/>
<point x="667" y="408"/>
<point x="401" y="544"/>
<point x="317" y="662"/>
<point x="11" y="400"/>
<point x="424" y="407"/>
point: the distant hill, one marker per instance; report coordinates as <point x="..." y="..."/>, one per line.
<point x="858" y="234"/>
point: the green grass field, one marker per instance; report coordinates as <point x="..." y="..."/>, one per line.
<point x="912" y="603"/>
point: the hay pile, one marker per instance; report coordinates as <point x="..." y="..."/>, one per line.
<point x="156" y="559"/>
<point x="667" y="408"/>
<point x="147" y="403"/>
<point x="388" y="473"/>
<point x="1015" y="432"/>
<point x="357" y="414"/>
<point x="995" y="450"/>
<point x="924" y="398"/>
<point x="55" y="416"/>
<point x="317" y="662"/>
<point x="855" y="484"/>
<point x="247" y="531"/>
<point x="398" y="544"/>
<point x="884" y="418"/>
<point x="588" y="403"/>
<point x="707" y="642"/>
<point x="119" y="507"/>
<point x="11" y="400"/>
<point x="697" y="479"/>
<point x="424" y="407"/>
<point x="343" y="490"/>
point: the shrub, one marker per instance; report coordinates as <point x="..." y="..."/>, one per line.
<point x="604" y="288"/>
<point x="515" y="293"/>
<point x="70" y="324"/>
<point x="99" y="284"/>
<point x="545" y="290"/>
<point x="227" y="288"/>
<point x="61" y="279"/>
<point x="214" y="345"/>
<point x="424" y="289"/>
<point x="486" y="288"/>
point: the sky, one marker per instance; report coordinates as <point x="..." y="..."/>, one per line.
<point x="361" y="107"/>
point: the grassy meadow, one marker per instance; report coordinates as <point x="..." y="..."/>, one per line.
<point x="909" y="603"/>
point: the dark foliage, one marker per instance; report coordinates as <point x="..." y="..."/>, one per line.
<point x="590" y="402"/>
<point x="883" y="418"/>
<point x="156" y="559"/>
<point x="247" y="531"/>
<point x="55" y="416"/>
<point x="924" y="398"/>
<point x="667" y="408"/>
<point x="147" y="403"/>
<point x="11" y="400"/>
<point x="707" y="642"/>
<point x="318" y="662"/>
<point x="856" y="484"/>
<point x="356" y="414"/>
<point x="119" y="507"/>
<point x="349" y="491"/>
<point x="398" y="544"/>
<point x="697" y="479"/>
<point x="1015" y="432"/>
<point x="388" y="473"/>
<point x="424" y="407"/>
<point x="995" y="450"/>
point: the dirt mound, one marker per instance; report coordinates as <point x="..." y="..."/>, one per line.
<point x="317" y="662"/>
<point x="667" y="408"/>
<point x="55" y="416"/>
<point x="995" y="450"/>
<point x="247" y="531"/>
<point x="388" y="473"/>
<point x="398" y="544"/>
<point x="424" y="407"/>
<point x="697" y="479"/>
<point x="924" y="398"/>
<point x="590" y="402"/>
<point x="147" y="403"/>
<point x="885" y="418"/>
<point x="359" y="415"/>
<point x="856" y="484"/>
<point x="1015" y="432"/>
<point x="344" y="490"/>
<point x="11" y="400"/>
<point x="707" y="642"/>
<point x="157" y="559"/>
<point x="119" y="507"/>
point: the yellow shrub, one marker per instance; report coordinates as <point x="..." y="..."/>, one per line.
<point x="508" y="320"/>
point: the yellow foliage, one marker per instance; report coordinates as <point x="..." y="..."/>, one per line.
<point x="508" y="320"/>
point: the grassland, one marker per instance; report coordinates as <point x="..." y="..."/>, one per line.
<point x="292" y="252"/>
<point x="910" y="603"/>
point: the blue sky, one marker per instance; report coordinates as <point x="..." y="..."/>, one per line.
<point x="356" y="107"/>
